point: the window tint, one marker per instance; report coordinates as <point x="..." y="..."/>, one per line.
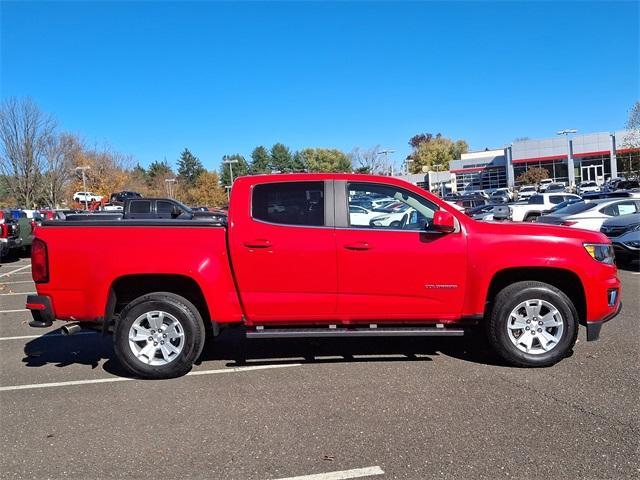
<point x="407" y="211"/>
<point x="140" y="206"/>
<point x="164" y="206"/>
<point x="536" y="200"/>
<point x="556" y="199"/>
<point x="289" y="203"/>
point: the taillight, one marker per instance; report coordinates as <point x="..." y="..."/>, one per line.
<point x="39" y="261"/>
<point x="4" y="231"/>
<point x="568" y="223"/>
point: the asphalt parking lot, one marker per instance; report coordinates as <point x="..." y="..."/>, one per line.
<point x="282" y="409"/>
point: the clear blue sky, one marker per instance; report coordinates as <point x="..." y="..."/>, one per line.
<point x="150" y="78"/>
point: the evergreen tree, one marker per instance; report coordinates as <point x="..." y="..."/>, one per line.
<point x="260" y="161"/>
<point x="239" y="168"/>
<point x="281" y="159"/>
<point x="189" y="167"/>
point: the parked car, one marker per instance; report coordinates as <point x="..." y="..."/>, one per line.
<point x="526" y="192"/>
<point x="466" y="202"/>
<point x="306" y="272"/>
<point x="555" y="188"/>
<point x="566" y="203"/>
<point x="361" y="216"/>
<point x="624" y="232"/>
<point x="120" y="197"/>
<point x="82" y="197"/>
<point x="544" y="184"/>
<point x="533" y="208"/>
<point x="500" y="196"/>
<point x="590" y="215"/>
<point x="627" y="185"/>
<point x="506" y="191"/>
<point x="112" y="207"/>
<point x="587" y="187"/>
<point x="28" y="221"/>
<point x="9" y="234"/>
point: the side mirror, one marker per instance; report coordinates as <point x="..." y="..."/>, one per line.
<point x="443" y="222"/>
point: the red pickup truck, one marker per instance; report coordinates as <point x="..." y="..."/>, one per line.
<point x="323" y="255"/>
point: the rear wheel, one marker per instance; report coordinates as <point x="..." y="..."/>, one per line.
<point x="533" y="324"/>
<point x="159" y="335"/>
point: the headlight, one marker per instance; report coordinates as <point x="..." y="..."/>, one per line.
<point x="602" y="252"/>
<point x="634" y="228"/>
<point x="633" y="244"/>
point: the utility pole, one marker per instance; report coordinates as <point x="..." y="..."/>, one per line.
<point x="170" y="184"/>
<point x="84" y="185"/>
<point x="230" y="162"/>
<point x="386" y="158"/>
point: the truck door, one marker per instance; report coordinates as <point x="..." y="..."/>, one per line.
<point x="140" y="209"/>
<point x="283" y="250"/>
<point x="394" y="269"/>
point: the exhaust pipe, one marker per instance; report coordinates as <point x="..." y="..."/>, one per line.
<point x="70" y="328"/>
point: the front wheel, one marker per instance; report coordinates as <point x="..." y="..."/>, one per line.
<point x="159" y="335"/>
<point x="533" y="324"/>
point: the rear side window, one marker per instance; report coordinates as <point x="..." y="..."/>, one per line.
<point x="289" y="203"/>
<point x="140" y="206"/>
<point x="621" y="208"/>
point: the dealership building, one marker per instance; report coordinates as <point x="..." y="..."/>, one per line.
<point x="591" y="157"/>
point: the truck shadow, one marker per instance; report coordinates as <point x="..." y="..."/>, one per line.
<point x="235" y="350"/>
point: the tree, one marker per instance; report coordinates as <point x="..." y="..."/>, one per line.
<point x="632" y="138"/>
<point x="239" y="167"/>
<point x="434" y="153"/>
<point x="207" y="191"/>
<point x="281" y="159"/>
<point x="533" y="176"/>
<point x="60" y="151"/>
<point x="325" y="160"/>
<point x="367" y="161"/>
<point x="260" y="161"/>
<point x="24" y="133"/>
<point x="189" y="168"/>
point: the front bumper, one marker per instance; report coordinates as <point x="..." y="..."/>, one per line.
<point x="593" y="328"/>
<point x="41" y="311"/>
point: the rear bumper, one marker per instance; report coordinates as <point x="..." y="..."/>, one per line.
<point x="593" y="328"/>
<point x="41" y="311"/>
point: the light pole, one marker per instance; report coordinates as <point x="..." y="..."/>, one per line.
<point x="571" y="174"/>
<point x="229" y="162"/>
<point x="386" y="158"/>
<point x="84" y="184"/>
<point x="169" y="184"/>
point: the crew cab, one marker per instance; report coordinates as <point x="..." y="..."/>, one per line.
<point x="289" y="261"/>
<point x="530" y="210"/>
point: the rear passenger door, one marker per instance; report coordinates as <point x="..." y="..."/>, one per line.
<point x="139" y="209"/>
<point x="283" y="252"/>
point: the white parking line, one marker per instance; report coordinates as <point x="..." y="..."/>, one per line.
<point x="122" y="379"/>
<point x="46" y="335"/>
<point x="14" y="271"/>
<point x="20" y="293"/>
<point x="340" y="475"/>
<point x="15" y="311"/>
<point x="13" y="283"/>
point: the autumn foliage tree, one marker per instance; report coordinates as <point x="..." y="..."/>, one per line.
<point x="533" y="176"/>
<point x="434" y="152"/>
<point x="207" y="191"/>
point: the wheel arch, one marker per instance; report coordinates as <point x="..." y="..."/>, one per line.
<point x="564" y="280"/>
<point x="127" y="288"/>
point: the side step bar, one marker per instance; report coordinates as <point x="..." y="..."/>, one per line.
<point x="354" y="332"/>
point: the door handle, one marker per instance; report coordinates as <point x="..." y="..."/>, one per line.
<point x="358" y="246"/>
<point x="257" y="243"/>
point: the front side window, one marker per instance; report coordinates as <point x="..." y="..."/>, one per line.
<point x="403" y="211"/>
<point x="164" y="207"/>
<point x="621" y="208"/>
<point x="289" y="203"/>
<point x="536" y="200"/>
<point x="556" y="199"/>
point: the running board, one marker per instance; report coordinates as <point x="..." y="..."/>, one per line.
<point x="354" y="332"/>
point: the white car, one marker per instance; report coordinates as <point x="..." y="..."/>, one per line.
<point x="590" y="215"/>
<point x="506" y="191"/>
<point x="534" y="207"/>
<point x="396" y="215"/>
<point x="526" y="192"/>
<point x="81" y="197"/>
<point x="542" y="187"/>
<point x="586" y="187"/>
<point x="361" y="216"/>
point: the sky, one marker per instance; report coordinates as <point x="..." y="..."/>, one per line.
<point x="151" y="78"/>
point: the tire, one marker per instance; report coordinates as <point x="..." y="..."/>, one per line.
<point x="523" y="347"/>
<point x="531" y="218"/>
<point x="167" y="319"/>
